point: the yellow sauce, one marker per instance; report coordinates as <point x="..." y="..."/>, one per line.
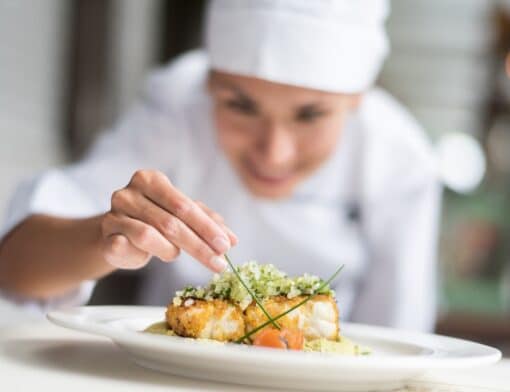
<point x="160" y="328"/>
<point x="342" y="346"/>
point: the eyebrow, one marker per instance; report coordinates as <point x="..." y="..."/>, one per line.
<point x="225" y="84"/>
<point x="317" y="106"/>
<point x="237" y="90"/>
<point x="230" y="86"/>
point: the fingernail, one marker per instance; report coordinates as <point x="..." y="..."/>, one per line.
<point x="221" y="244"/>
<point x="218" y="263"/>
<point x="236" y="239"/>
<point x="231" y="234"/>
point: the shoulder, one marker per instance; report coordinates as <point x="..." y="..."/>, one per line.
<point x="177" y="95"/>
<point x="178" y="83"/>
<point x="385" y="119"/>
<point x="396" y="147"/>
<point x="174" y="97"/>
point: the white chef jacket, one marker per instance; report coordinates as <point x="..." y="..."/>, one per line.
<point x="372" y="206"/>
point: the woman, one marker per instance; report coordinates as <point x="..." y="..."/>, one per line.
<point x="294" y="158"/>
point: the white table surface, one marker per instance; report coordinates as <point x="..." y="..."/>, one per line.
<point x="44" y="357"/>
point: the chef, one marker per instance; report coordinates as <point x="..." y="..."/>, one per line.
<point x="271" y="144"/>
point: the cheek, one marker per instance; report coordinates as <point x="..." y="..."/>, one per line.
<point x="319" y="142"/>
<point x="234" y="135"/>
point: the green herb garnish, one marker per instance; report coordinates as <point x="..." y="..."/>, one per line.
<point x="255" y="298"/>
<point x="263" y="325"/>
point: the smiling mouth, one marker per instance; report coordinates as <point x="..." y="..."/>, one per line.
<point x="272" y="179"/>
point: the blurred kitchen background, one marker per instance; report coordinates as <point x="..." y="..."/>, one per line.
<point x="68" y="68"/>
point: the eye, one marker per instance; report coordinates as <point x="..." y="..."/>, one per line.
<point x="307" y="115"/>
<point x="242" y="106"/>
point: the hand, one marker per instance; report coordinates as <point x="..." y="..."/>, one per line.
<point x="150" y="217"/>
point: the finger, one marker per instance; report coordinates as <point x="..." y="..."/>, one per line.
<point x="231" y="236"/>
<point x="175" y="231"/>
<point x="159" y="190"/>
<point x="220" y="221"/>
<point x="142" y="235"/>
<point x="120" y="253"/>
<point x="209" y="211"/>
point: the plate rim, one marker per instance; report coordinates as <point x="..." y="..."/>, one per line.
<point x="74" y="317"/>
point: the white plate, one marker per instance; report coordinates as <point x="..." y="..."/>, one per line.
<point x="397" y="355"/>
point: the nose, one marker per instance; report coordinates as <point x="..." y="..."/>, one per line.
<point x="278" y="147"/>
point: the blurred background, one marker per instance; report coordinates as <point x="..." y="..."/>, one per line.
<point x="68" y="68"/>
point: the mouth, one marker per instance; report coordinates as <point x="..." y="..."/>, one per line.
<point x="273" y="179"/>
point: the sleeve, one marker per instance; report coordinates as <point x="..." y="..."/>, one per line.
<point x="147" y="137"/>
<point x="400" y="219"/>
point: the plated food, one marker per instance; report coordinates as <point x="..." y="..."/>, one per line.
<point x="257" y="304"/>
<point x="397" y="357"/>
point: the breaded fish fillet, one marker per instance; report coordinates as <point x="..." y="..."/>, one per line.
<point x="220" y="320"/>
<point x="215" y="319"/>
<point x="318" y="318"/>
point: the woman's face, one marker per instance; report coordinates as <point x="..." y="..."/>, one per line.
<point x="275" y="135"/>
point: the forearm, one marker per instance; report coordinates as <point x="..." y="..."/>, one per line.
<point x="47" y="256"/>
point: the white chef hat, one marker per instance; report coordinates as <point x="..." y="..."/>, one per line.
<point x="329" y="45"/>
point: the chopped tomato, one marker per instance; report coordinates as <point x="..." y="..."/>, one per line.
<point x="285" y="338"/>
<point x="294" y="337"/>
<point x="270" y="337"/>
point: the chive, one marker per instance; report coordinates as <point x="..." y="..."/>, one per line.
<point x="263" y="325"/>
<point x="270" y="319"/>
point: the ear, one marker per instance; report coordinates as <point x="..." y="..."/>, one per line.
<point x="210" y="79"/>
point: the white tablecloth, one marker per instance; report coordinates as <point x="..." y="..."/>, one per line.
<point x="41" y="356"/>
